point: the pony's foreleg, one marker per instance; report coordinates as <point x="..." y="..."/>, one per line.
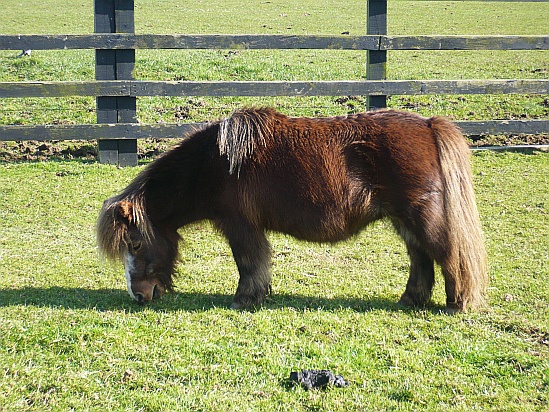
<point x="422" y="278"/>
<point x="252" y="254"/>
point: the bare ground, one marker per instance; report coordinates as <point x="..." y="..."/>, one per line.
<point x="152" y="148"/>
<point x="66" y="150"/>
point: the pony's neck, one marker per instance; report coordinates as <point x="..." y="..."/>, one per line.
<point x="170" y="183"/>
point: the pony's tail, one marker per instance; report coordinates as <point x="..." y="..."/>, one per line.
<point x="465" y="266"/>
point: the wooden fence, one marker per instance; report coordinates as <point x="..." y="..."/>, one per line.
<point x="116" y="91"/>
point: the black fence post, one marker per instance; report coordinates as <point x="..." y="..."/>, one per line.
<point x="376" y="23"/>
<point x="115" y="16"/>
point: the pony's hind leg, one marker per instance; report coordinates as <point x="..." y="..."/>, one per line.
<point x="421" y="281"/>
<point x="429" y="244"/>
<point x="419" y="287"/>
<point x="252" y="254"/>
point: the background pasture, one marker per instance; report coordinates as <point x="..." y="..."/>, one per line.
<point x="168" y="16"/>
<point x="71" y="339"/>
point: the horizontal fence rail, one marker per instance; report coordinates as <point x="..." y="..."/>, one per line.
<point x="270" y="41"/>
<point x="136" y="88"/>
<point x="98" y="131"/>
<point x="163" y="131"/>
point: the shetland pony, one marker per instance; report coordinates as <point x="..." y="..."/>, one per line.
<point x="317" y="179"/>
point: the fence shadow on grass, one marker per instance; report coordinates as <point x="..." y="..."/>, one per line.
<point x="118" y="300"/>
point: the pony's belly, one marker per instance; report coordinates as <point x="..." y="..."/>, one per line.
<point x="322" y="229"/>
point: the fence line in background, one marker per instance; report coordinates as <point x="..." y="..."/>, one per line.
<point x="116" y="91"/>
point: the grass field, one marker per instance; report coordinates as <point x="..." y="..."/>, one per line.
<point x="71" y="338"/>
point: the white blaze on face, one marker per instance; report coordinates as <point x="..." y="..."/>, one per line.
<point x="128" y="267"/>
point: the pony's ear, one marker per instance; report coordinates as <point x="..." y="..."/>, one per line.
<point x="125" y="210"/>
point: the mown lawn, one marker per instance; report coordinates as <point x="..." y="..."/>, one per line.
<point x="71" y="338"/>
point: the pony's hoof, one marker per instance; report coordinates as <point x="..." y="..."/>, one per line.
<point x="407" y="302"/>
<point x="415" y="301"/>
<point x="404" y="303"/>
<point x="452" y="310"/>
<point x="236" y="306"/>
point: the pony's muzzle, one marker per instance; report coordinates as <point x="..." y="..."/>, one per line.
<point x="146" y="291"/>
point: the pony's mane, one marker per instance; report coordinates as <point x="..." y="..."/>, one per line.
<point x="239" y="134"/>
<point x="112" y="225"/>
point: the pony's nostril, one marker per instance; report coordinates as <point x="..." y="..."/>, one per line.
<point x="156" y="292"/>
<point x="139" y="297"/>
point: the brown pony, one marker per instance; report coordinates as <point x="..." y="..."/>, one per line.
<point x="321" y="180"/>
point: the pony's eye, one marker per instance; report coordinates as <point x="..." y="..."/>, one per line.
<point x="136" y="246"/>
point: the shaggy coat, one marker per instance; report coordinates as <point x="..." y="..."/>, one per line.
<point x="317" y="179"/>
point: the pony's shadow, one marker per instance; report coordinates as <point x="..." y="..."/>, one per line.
<point x="118" y="300"/>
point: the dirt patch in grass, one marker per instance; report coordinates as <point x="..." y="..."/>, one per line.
<point x="66" y="150"/>
<point x="511" y="140"/>
<point x="152" y="148"/>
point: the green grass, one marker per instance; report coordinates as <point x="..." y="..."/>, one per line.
<point x="71" y="338"/>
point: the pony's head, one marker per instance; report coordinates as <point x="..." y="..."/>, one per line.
<point x="125" y="232"/>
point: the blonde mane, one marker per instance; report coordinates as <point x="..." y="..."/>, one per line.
<point x="114" y="219"/>
<point x="239" y="134"/>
